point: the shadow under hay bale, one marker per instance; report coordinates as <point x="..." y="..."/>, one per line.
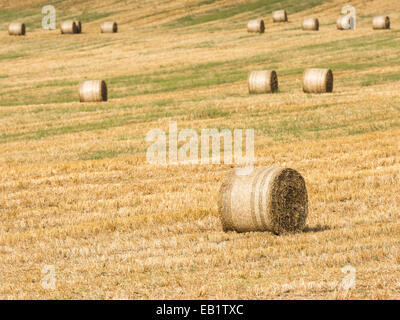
<point x="279" y="16"/>
<point x="93" y="91"/>
<point x="317" y="81"/>
<point x="109" y="27"/>
<point x="256" y="26"/>
<point x="310" y="24"/>
<point x="16" y="29"/>
<point x="268" y="199"/>
<point x="265" y="81"/>
<point x="381" y="23"/>
<point x="69" y="27"/>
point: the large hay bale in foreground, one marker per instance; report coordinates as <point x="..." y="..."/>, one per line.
<point x="381" y="22"/>
<point x="279" y="16"/>
<point x="342" y="22"/>
<point x="78" y="26"/>
<point x="256" y="26"/>
<point x="109" y="27"/>
<point x="310" y="24"/>
<point x="268" y="199"/>
<point x="264" y="81"/>
<point x="69" y="27"/>
<point x="16" y="29"/>
<point x="93" y="91"/>
<point x="317" y="81"/>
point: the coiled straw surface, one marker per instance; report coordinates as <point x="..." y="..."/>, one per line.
<point x="256" y="26"/>
<point x="16" y="29"/>
<point x="279" y="16"/>
<point x="264" y="81"/>
<point x="78" y="26"/>
<point x="381" y="22"/>
<point x="310" y="24"/>
<point x="109" y="27"/>
<point x="317" y="81"/>
<point x="343" y="22"/>
<point x="93" y="91"/>
<point x="268" y="199"/>
<point x="69" y="27"/>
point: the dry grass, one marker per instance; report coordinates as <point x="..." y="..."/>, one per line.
<point x="77" y="192"/>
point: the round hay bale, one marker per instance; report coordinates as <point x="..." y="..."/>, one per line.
<point x="93" y="91"/>
<point x="16" y="29"/>
<point x="69" y="27"/>
<point x="268" y="199"/>
<point x="279" y="16"/>
<point x="381" y="22"/>
<point x="78" y="26"/>
<point x="109" y="27"/>
<point x="256" y="26"/>
<point x="310" y="24"/>
<point x="317" y="81"/>
<point x="342" y="22"/>
<point x="264" y="81"/>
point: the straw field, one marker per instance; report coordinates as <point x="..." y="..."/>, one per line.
<point x="76" y="190"/>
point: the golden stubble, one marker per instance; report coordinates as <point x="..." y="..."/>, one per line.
<point x="118" y="227"/>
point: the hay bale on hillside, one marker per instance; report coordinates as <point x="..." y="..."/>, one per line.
<point x="109" y="27"/>
<point x="279" y="16"/>
<point x="381" y="22"/>
<point x="268" y="199"/>
<point x="69" y="27"/>
<point x="310" y="24"/>
<point x="317" y="81"/>
<point x="264" y="81"/>
<point x="16" y="29"/>
<point x="343" y="22"/>
<point x="256" y="26"/>
<point x="93" y="91"/>
<point x="78" y="26"/>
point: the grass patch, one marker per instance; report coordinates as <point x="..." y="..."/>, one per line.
<point x="207" y="74"/>
<point x="200" y="75"/>
<point x="57" y="83"/>
<point x="374" y="79"/>
<point x="376" y="41"/>
<point x="205" y="44"/>
<point x="84" y="17"/>
<point x="39" y="134"/>
<point x="25" y="15"/>
<point x="307" y="125"/>
<point x="201" y="3"/>
<point x="101" y="125"/>
<point x="90" y="16"/>
<point x="259" y="7"/>
<point x="105" y="154"/>
<point x="210" y="113"/>
<point x="11" y="55"/>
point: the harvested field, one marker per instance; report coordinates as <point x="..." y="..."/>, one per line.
<point x="76" y="190"/>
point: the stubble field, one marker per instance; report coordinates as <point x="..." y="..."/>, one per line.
<point x="77" y="191"/>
